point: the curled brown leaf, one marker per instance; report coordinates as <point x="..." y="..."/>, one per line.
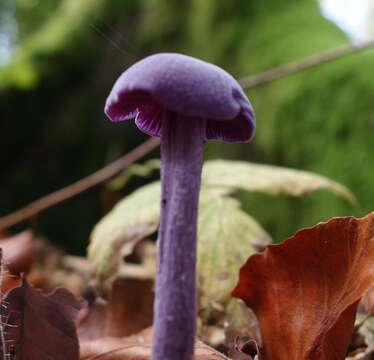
<point x="305" y="291"/>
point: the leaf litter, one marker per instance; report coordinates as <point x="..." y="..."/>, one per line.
<point x="320" y="263"/>
<point x="305" y="292"/>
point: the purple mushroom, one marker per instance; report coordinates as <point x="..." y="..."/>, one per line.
<point x="184" y="101"/>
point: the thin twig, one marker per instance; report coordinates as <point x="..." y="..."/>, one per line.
<point x="304" y="64"/>
<point x="82" y="185"/>
<point x="109" y="171"/>
<point x="116" y="350"/>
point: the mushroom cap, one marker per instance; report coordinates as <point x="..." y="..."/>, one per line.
<point x="186" y="86"/>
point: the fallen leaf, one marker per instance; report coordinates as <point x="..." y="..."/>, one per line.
<point x="20" y="251"/>
<point x="305" y="291"/>
<point x="8" y="281"/>
<point x="244" y="349"/>
<point x="273" y="180"/>
<point x="225" y="238"/>
<point x="117" y="234"/>
<point x="130" y="307"/>
<point x="240" y="322"/>
<point x="136" y="347"/>
<point x="39" y="326"/>
<point x="91" y="324"/>
<point x="366" y="304"/>
<point x="226" y="234"/>
<point x="54" y="269"/>
<point x="128" y="310"/>
<point x="137" y="216"/>
<point x="212" y="335"/>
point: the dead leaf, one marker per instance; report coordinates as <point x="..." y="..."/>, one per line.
<point x="249" y="176"/>
<point x="8" y="281"/>
<point x="136" y="347"/>
<point x="130" y="307"/>
<point x="212" y="335"/>
<point x="244" y="349"/>
<point x="273" y="180"/>
<point x="241" y="322"/>
<point x="92" y="322"/>
<point x="20" y="251"/>
<point x="225" y="236"/>
<point x="305" y="291"/>
<point x="225" y="239"/>
<point x="367" y="302"/>
<point x="128" y="310"/>
<point x="41" y="326"/>
<point x="117" y="234"/>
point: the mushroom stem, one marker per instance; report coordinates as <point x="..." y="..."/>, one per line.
<point x="182" y="146"/>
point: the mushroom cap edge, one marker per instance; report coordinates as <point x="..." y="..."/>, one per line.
<point x="183" y="85"/>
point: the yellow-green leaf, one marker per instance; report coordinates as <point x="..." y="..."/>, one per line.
<point x="115" y="236"/>
<point x="273" y="180"/>
<point x="226" y="235"/>
<point x="141" y="170"/>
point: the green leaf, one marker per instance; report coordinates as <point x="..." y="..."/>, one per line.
<point x="115" y="236"/>
<point x="273" y="180"/>
<point x="251" y="177"/>
<point x="226" y="236"/>
<point x="141" y="170"/>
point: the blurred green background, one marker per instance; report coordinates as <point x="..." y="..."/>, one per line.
<point x="59" y="59"/>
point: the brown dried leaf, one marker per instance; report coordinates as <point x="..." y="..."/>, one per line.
<point x="211" y="335"/>
<point x="91" y="323"/>
<point x="244" y="350"/>
<point x="305" y="291"/>
<point x="136" y="347"/>
<point x="41" y="326"/>
<point x="241" y="322"/>
<point x="53" y="269"/>
<point x="128" y="311"/>
<point x="20" y="251"/>
<point x="8" y="281"/>
<point x="130" y="307"/>
<point x="366" y="304"/>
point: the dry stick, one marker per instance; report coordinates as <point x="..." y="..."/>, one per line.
<point x="116" y="350"/>
<point x="107" y="172"/>
<point x="76" y="188"/>
<point x="303" y="64"/>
